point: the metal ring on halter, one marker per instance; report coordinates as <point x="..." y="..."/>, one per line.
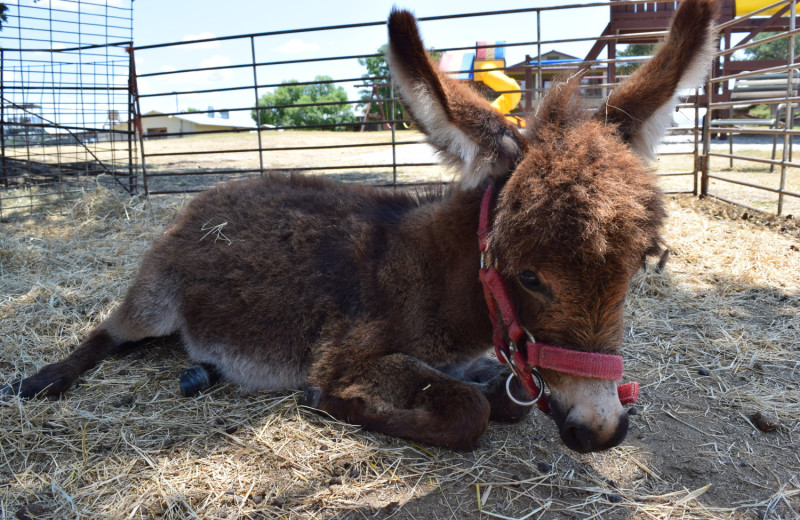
<point x="525" y="403"/>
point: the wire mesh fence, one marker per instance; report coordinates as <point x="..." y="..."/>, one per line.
<point x="65" y="92"/>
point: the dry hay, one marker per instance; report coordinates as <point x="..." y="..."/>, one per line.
<point x="712" y="340"/>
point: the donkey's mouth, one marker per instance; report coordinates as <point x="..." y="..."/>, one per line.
<point x="583" y="435"/>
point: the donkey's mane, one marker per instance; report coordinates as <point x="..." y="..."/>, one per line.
<point x="589" y="197"/>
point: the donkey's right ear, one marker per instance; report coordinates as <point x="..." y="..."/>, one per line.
<point x="460" y="124"/>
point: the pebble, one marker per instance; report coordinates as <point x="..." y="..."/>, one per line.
<point x="544" y="467"/>
<point x="633" y="410"/>
<point x="765" y="422"/>
<point x="703" y="372"/>
<point x="614" y="498"/>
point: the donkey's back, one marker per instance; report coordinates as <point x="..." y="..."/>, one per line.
<point x="254" y="274"/>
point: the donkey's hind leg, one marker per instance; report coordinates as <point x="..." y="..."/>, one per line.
<point x="401" y="396"/>
<point x="140" y="316"/>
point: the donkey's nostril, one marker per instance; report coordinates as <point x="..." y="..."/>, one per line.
<point x="583" y="438"/>
<point x="579" y="437"/>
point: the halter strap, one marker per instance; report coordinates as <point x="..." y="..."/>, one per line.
<point x="536" y="355"/>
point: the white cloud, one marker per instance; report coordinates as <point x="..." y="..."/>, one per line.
<point x="194" y="79"/>
<point x="216" y="75"/>
<point x="201" y="36"/>
<point x="297" y="46"/>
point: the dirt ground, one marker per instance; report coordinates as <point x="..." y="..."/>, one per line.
<point x="713" y="341"/>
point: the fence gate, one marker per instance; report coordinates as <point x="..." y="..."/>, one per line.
<point x="66" y="102"/>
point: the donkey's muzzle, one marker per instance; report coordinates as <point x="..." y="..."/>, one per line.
<point x="583" y="435"/>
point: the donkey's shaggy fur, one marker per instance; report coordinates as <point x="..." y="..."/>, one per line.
<point x="371" y="301"/>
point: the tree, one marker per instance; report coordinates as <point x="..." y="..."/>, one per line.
<point x="774" y="50"/>
<point x="280" y="110"/>
<point x="3" y="17"/>
<point x="377" y="77"/>
<point x="634" y="49"/>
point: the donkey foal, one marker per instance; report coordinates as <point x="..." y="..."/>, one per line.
<point x="371" y="299"/>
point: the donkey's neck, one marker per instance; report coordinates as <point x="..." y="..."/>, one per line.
<point x="445" y="233"/>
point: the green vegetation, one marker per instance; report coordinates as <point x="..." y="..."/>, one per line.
<point x="634" y="49"/>
<point x="3" y="17"/>
<point x="774" y="50"/>
<point x="296" y="104"/>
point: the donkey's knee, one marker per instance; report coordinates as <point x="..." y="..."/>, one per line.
<point x="459" y="417"/>
<point x="453" y="417"/>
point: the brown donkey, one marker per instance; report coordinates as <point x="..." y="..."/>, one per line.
<point x="372" y="300"/>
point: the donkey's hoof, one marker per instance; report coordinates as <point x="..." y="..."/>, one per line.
<point x="197" y="379"/>
<point x="311" y="397"/>
<point x="9" y="389"/>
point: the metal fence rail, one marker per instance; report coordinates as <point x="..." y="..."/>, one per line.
<point x="743" y="175"/>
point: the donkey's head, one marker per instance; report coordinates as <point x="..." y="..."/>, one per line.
<point x="577" y="209"/>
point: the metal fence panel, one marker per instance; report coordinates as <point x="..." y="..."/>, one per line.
<point x="64" y="82"/>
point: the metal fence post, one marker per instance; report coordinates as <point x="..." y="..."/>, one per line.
<point x="539" y="79"/>
<point x="789" y="109"/>
<point x="135" y="114"/>
<point x="703" y="159"/>
<point x="258" y="112"/>
<point x="393" y="124"/>
<point x="696" y="131"/>
<point x="3" y="117"/>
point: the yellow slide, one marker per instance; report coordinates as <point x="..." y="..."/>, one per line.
<point x="748" y="6"/>
<point x="499" y="82"/>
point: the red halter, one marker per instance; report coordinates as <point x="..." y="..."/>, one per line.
<point x="588" y="364"/>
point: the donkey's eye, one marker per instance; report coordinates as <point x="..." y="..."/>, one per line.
<point x="530" y="281"/>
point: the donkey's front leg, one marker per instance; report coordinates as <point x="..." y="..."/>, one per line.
<point x="399" y="395"/>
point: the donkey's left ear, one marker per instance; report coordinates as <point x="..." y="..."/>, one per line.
<point x="460" y="124"/>
<point x="642" y="106"/>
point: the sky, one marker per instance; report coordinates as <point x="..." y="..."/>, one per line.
<point x="166" y="21"/>
<point x="160" y="21"/>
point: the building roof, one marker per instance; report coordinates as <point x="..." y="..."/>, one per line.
<point x="239" y="119"/>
